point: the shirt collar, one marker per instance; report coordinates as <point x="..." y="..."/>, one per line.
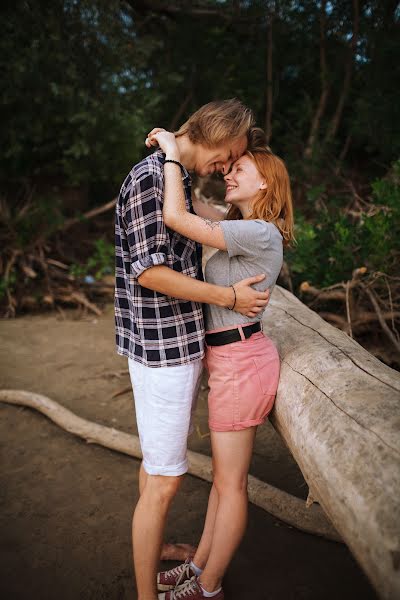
<point x="185" y="173"/>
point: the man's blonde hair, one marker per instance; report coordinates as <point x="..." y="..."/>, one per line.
<point x="218" y="122"/>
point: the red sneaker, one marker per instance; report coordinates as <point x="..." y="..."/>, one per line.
<point x="188" y="590"/>
<point x="168" y="580"/>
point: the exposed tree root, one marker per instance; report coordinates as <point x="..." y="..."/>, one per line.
<point x="278" y="503"/>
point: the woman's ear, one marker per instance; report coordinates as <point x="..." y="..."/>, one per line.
<point x="263" y="185"/>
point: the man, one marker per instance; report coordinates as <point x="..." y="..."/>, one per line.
<point x="159" y="320"/>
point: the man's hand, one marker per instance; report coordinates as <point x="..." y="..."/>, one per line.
<point x="250" y="302"/>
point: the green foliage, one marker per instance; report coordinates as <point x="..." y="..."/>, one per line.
<point x="100" y="263"/>
<point x="43" y="217"/>
<point x="380" y="239"/>
<point x="7" y="283"/>
<point x="73" y="98"/>
<point x="306" y="246"/>
<point x="332" y="244"/>
<point x="84" y="82"/>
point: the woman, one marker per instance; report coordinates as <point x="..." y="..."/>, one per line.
<point x="243" y="364"/>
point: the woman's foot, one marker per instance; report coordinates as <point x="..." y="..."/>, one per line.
<point x="169" y="580"/>
<point x="191" y="590"/>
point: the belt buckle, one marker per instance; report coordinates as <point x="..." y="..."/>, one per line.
<point x="248" y="332"/>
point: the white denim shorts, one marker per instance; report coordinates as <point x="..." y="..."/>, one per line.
<point x="165" y="400"/>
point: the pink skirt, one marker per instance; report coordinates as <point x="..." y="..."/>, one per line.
<point x="243" y="379"/>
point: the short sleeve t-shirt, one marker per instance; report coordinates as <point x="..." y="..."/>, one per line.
<point x="253" y="247"/>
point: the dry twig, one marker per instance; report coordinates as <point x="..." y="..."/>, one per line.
<point x="371" y="295"/>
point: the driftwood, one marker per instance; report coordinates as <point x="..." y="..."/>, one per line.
<point x="278" y="503"/>
<point x="338" y="410"/>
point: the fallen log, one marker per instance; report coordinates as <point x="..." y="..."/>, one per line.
<point x="284" y="506"/>
<point x="338" y="410"/>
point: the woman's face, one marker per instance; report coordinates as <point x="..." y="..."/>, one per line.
<point x="244" y="182"/>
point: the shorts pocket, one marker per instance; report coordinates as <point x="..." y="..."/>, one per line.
<point x="268" y="373"/>
<point x="219" y="352"/>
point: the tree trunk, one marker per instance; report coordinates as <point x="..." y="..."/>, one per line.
<point x="269" y="96"/>
<point x="314" y="129"/>
<point x="334" y="125"/>
<point x="338" y="410"/>
<point x="181" y="109"/>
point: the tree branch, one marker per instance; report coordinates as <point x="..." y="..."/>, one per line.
<point x="199" y="10"/>
<point x="278" y="503"/>
<point x="88" y="215"/>
<point x="381" y="318"/>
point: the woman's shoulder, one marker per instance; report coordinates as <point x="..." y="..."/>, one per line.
<point x="252" y="232"/>
<point x="269" y="228"/>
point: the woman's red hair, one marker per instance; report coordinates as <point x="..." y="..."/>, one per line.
<point x="274" y="204"/>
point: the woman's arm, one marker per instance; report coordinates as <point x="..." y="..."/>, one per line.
<point x="178" y="218"/>
<point x="205" y="231"/>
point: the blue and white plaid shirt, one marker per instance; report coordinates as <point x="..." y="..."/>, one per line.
<point x="151" y="328"/>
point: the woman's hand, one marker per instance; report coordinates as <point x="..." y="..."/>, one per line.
<point x="166" y="140"/>
<point x="151" y="140"/>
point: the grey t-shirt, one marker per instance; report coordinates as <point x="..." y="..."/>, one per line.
<point x="253" y="247"/>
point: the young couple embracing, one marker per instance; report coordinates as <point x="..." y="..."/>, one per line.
<point x="170" y="322"/>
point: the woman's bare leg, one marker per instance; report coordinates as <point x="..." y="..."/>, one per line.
<point x="204" y="547"/>
<point x="232" y="452"/>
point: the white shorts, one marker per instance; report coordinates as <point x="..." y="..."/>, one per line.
<point x="165" y="399"/>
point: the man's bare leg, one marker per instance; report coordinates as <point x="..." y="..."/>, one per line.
<point x="142" y="479"/>
<point x="148" y="528"/>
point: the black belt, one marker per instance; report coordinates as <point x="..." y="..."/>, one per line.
<point x="231" y="335"/>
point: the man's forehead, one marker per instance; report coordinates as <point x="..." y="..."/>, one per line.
<point x="238" y="147"/>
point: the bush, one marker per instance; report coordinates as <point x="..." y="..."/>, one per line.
<point x="100" y="263"/>
<point x="331" y="245"/>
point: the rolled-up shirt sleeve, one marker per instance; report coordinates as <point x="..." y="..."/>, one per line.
<point x="144" y="226"/>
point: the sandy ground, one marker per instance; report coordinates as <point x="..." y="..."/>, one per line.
<point x="66" y="505"/>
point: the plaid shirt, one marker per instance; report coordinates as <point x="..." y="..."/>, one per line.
<point x="151" y="328"/>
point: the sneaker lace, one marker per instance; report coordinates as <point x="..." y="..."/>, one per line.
<point x="189" y="588"/>
<point x="183" y="572"/>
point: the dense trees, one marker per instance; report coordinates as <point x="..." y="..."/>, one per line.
<point x="85" y="79"/>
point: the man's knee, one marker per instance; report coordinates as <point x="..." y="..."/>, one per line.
<point x="161" y="487"/>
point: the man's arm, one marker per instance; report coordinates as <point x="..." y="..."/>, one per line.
<point x="207" y="211"/>
<point x="166" y="281"/>
<point x="149" y="244"/>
